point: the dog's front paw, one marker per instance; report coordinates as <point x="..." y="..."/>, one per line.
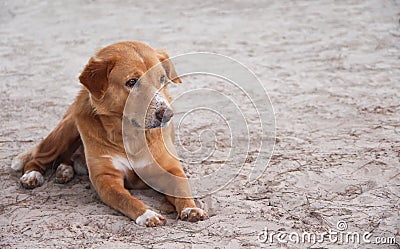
<point x="64" y="173"/>
<point x="193" y="214"/>
<point x="151" y="219"/>
<point x="31" y="179"/>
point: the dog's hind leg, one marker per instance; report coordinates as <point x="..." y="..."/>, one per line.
<point x="65" y="171"/>
<point x="57" y="147"/>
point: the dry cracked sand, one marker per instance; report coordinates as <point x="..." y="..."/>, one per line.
<point x="331" y="69"/>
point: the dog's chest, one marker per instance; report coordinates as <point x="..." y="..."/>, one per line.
<point x="124" y="165"/>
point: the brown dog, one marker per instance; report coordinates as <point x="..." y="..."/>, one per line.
<point x="94" y="120"/>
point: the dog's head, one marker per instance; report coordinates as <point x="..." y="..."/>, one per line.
<point x="122" y="68"/>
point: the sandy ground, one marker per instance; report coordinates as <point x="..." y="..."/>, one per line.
<point x="331" y="68"/>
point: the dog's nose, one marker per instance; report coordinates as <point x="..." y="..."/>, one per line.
<point x="164" y="115"/>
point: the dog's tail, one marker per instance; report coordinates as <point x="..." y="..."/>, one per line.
<point x="19" y="161"/>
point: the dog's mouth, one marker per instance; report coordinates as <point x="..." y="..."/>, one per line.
<point x="157" y="115"/>
<point x="161" y="118"/>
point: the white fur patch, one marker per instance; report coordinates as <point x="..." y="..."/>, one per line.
<point x="161" y="100"/>
<point x="141" y="164"/>
<point x="17" y="164"/>
<point x="122" y="163"/>
<point x="144" y="218"/>
<point x="32" y="178"/>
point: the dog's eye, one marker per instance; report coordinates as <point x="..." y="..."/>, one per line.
<point x="130" y="83"/>
<point x="162" y="79"/>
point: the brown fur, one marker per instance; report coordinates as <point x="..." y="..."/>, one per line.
<point x="94" y="120"/>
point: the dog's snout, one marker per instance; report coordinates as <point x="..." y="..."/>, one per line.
<point x="164" y="115"/>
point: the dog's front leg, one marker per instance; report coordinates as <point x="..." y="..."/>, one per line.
<point x="187" y="209"/>
<point x="185" y="206"/>
<point x="109" y="184"/>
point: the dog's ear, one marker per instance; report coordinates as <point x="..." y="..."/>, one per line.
<point x="95" y="76"/>
<point x="168" y="66"/>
